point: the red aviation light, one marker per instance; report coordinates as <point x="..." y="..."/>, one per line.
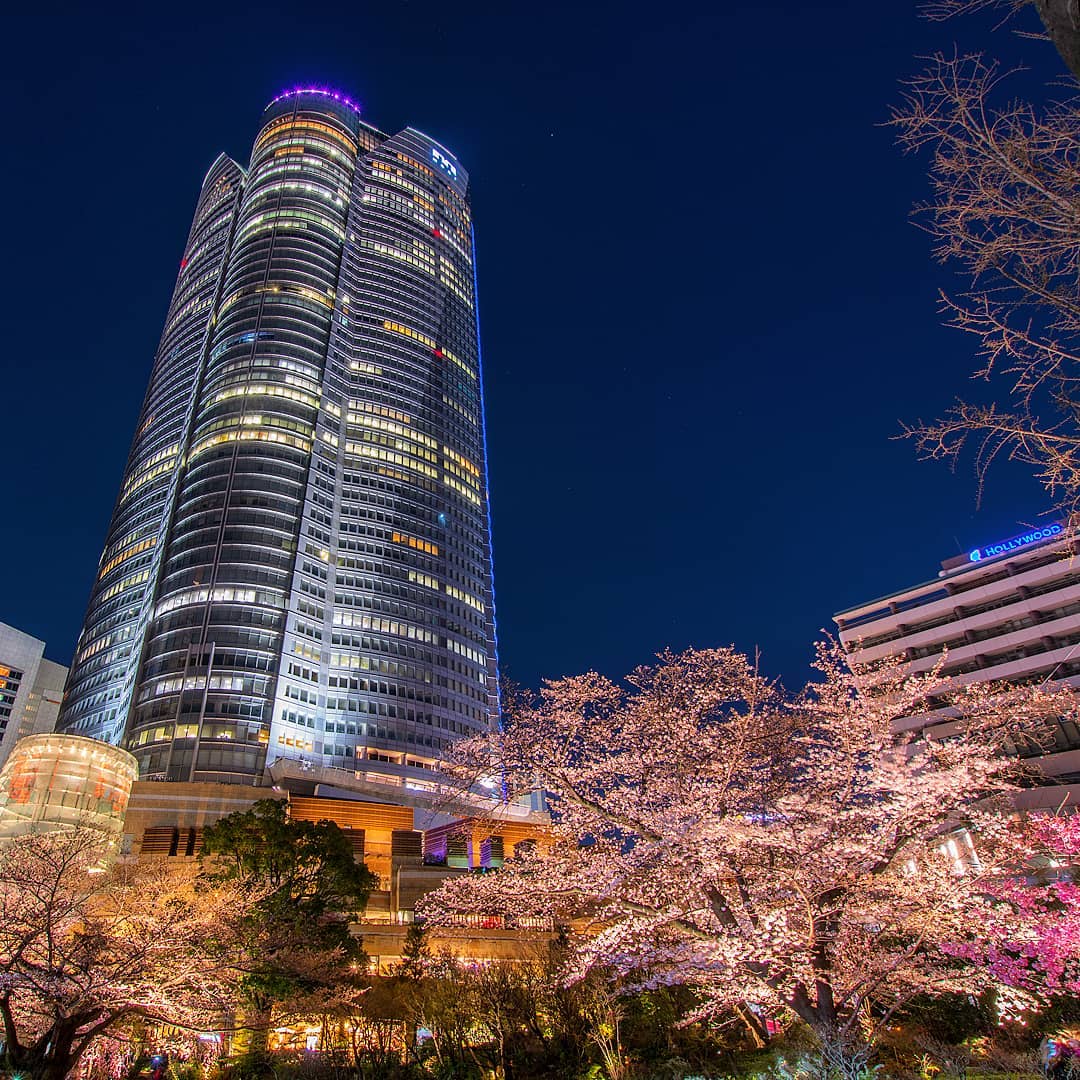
<point x="436" y="233"/>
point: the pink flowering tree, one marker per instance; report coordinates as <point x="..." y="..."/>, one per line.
<point x="84" y="950"/>
<point x="787" y="854"/>
<point x="1030" y="937"/>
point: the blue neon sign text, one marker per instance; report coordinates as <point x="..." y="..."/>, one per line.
<point x="1014" y="542"/>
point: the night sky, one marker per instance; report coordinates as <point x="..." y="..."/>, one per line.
<point x="704" y="309"/>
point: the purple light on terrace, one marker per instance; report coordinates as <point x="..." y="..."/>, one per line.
<point x="335" y="94"/>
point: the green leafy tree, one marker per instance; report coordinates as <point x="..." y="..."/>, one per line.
<point x="292" y="943"/>
<point x="415" y="952"/>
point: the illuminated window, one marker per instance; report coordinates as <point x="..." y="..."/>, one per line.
<point x="415" y="542"/>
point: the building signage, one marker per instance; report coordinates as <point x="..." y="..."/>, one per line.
<point x="1014" y="542"/>
<point x="444" y="163"/>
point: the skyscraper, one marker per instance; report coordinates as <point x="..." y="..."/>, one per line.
<point x="299" y="560"/>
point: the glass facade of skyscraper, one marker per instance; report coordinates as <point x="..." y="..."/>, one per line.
<point x="299" y="562"/>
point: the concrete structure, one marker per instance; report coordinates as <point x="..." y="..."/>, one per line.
<point x="430" y="794"/>
<point x="299" y="561"/>
<point x="1008" y="611"/>
<point x="51" y="782"/>
<point x="31" y="688"/>
<point x="412" y="850"/>
<point x="167" y="820"/>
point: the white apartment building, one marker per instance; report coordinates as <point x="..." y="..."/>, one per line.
<point x="1007" y="611"/>
<point x="31" y="688"/>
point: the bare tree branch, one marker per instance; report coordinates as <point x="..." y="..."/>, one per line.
<point x="1006" y="210"/>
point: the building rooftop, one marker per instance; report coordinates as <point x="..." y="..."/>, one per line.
<point x="958" y="567"/>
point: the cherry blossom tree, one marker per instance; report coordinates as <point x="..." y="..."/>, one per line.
<point x="1030" y="939"/>
<point x="83" y="950"/>
<point x="789" y="854"/>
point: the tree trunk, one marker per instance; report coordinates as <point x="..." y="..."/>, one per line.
<point x="841" y="1055"/>
<point x="253" y="1039"/>
<point x="51" y="1057"/>
<point x="756" y="1029"/>
<point x="1062" y="21"/>
<point x="844" y="1053"/>
<point x="41" y="1069"/>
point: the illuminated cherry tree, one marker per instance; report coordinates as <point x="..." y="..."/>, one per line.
<point x="1039" y="951"/>
<point x="82" y="951"/>
<point x="791" y="855"/>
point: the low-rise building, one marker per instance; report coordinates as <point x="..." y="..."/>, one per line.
<point x="412" y="849"/>
<point x="412" y="844"/>
<point x="1009" y="611"/>
<point x="31" y="688"/>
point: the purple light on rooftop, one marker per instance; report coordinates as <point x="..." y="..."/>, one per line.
<point x="322" y="91"/>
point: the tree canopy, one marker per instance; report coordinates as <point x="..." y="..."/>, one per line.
<point x="83" y="950"/>
<point x="294" y="945"/>
<point x="791" y="854"/>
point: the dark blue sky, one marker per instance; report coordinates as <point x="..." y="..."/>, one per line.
<point x="703" y="307"/>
